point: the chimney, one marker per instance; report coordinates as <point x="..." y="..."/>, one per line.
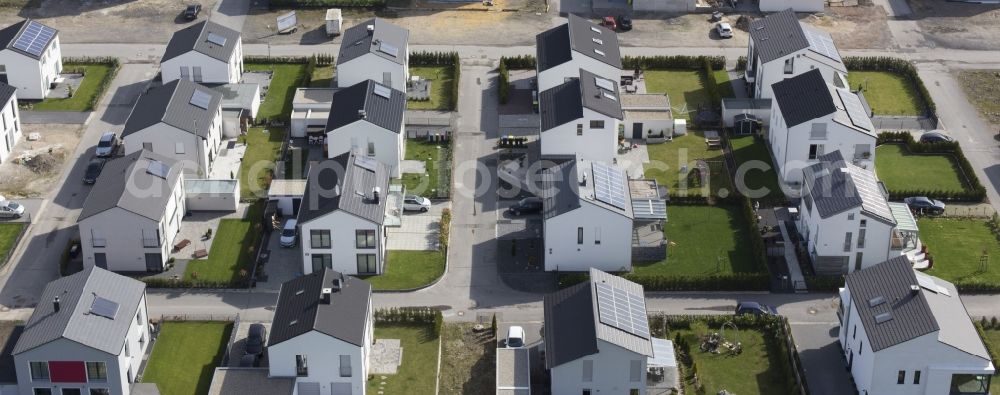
<point x="362" y="114"/>
<point x="915" y="289"/>
<point x="584" y="182"/>
<point x="371" y="29"/>
<point x="55" y="304"/>
<point x="375" y="192"/>
<point x="326" y="294"/>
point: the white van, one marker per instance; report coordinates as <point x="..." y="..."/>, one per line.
<point x="289" y="234"/>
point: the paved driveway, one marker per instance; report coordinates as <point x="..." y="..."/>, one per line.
<point x="419" y="231"/>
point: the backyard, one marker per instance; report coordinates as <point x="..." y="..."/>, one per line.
<point x="418" y="372"/>
<point x="887" y="93"/>
<point x="232" y="251"/>
<point x="686" y="88"/>
<point x="442" y="79"/>
<point x="470" y="367"/>
<point x="286" y="77"/>
<point x="185" y="355"/>
<point x="263" y="148"/>
<point x="667" y="159"/>
<point x="89" y="92"/>
<point x="436" y="156"/>
<point x="408" y="270"/>
<point x="687" y="229"/>
<point x="902" y="171"/>
<point x="322" y="77"/>
<point x="956" y="246"/>
<point x="982" y="88"/>
<point x="747" y="149"/>
<point x="8" y="237"/>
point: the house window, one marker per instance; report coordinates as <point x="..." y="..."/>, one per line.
<point x="301" y="366"/>
<point x="138" y="318"/>
<point x="97" y="239"/>
<point x="319" y="238"/>
<point x="579" y="129"/>
<point x="178" y="147"/>
<point x="635" y="371"/>
<point x="39" y="370"/>
<point x="97" y="371"/>
<point x="345" y="366"/>
<point x="815" y="150"/>
<point x="588" y="371"/>
<point x="365" y="238"/>
<point x="916" y="377"/>
<point x="100" y="391"/>
<point x="586" y="392"/>
<point x="185" y="73"/>
<point x="818" y="131"/>
<point x="597" y="124"/>
<point x="861" y="238"/>
<point x="142" y="339"/>
<point x="127" y="352"/>
<point x="147" y="146"/>
<point x="367" y="264"/>
<point x="597" y="235"/>
<point x="371" y="148"/>
<point x="861" y="347"/>
<point x="901" y="377"/>
<point x="855" y="334"/>
<point x="789" y="65"/>
<point x="850" y="217"/>
<point x="320" y="261"/>
<point x="847" y="241"/>
<point x="579" y="235"/>
<point x="970" y="384"/>
<point x="43" y="391"/>
<point x="633" y="391"/>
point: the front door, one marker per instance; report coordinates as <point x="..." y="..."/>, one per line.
<point x="857" y="262"/>
<point x="850" y="360"/>
<point x="101" y="260"/>
<point x="308" y="388"/>
<point x="72" y="391"/>
<point x="296" y="202"/>
<point x="637" y="130"/>
<point x="154" y="263"/>
<point x="196" y="70"/>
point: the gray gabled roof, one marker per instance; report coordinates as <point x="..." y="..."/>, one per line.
<point x="127" y="183"/>
<point x="195" y="38"/>
<point x="777" y="35"/>
<point x="836" y="186"/>
<point x="345" y="182"/>
<point x="911" y="315"/>
<point x="565" y="102"/>
<point x="171" y="104"/>
<point x="301" y="308"/>
<point x="554" y="46"/>
<point x="6" y="92"/>
<point x="563" y="190"/>
<point x="803" y="98"/>
<point x="10" y="34"/>
<point x="386" y="113"/>
<point x="357" y="41"/>
<point x="74" y="321"/>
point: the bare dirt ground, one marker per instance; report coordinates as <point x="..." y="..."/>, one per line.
<point x="862" y="27"/>
<point x="35" y="177"/>
<point x="678" y="30"/>
<point x="137" y="21"/>
<point x="982" y="87"/>
<point x="958" y="25"/>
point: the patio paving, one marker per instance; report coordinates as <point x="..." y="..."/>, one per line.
<point x="282" y="264"/>
<point x="193" y="228"/>
<point x="632" y="160"/>
<point x="227" y="164"/>
<point x="63" y="83"/>
<point x="240" y="340"/>
<point x="386" y="356"/>
<point x="418" y="231"/>
<point x="413" y="166"/>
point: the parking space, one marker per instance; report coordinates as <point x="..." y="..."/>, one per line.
<point x="282" y="264"/>
<point x="533" y="341"/>
<point x="31" y="206"/>
<point x="240" y="340"/>
<point x="418" y="231"/>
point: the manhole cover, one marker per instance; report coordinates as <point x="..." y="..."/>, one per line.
<point x="812" y="310"/>
<point x="461" y="313"/>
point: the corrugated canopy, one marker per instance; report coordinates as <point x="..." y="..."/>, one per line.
<point x="904" y="218"/>
<point x="649" y="209"/>
<point x="663" y="354"/>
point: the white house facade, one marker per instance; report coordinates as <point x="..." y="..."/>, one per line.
<point x="132" y="216"/>
<point x="205" y="52"/>
<point x="310" y="110"/>
<point x="30" y="58"/>
<point x="579" y="44"/>
<point x="341" y="218"/>
<point x="907" y="333"/>
<point x="10" y="120"/>
<point x="581" y="117"/>
<point x="367" y="118"/>
<point x="89" y="333"/>
<point x="374" y="50"/>
<point x="180" y="120"/>
<point x="322" y="334"/>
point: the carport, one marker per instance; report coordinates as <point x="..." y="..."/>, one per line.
<point x="310" y="109"/>
<point x="288" y="195"/>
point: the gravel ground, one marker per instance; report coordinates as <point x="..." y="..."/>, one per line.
<point x="958" y="25"/>
<point x="18" y="181"/>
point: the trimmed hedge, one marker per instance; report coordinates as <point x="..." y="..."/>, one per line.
<point x="411" y="316"/>
<point x="325" y="3"/>
<point x="111" y="61"/>
<point x="896" y="66"/>
<point x="520" y="62"/>
<point x="741" y="63"/>
<point x="975" y="191"/>
<point x="664" y="283"/>
<point x="504" y="82"/>
<point x="824" y="283"/>
<point x="673" y="62"/>
<point x="441" y="59"/>
<point x="163" y="282"/>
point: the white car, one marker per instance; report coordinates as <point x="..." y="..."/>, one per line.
<point x="725" y="30"/>
<point x="289" y="234"/>
<point x="10" y="209"/>
<point x="515" y="337"/>
<point x="416" y="203"/>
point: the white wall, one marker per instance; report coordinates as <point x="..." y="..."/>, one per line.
<point x="164" y="139"/>
<point x="323" y="359"/>
<point x="826" y="236"/>
<point x="557" y="75"/>
<point x="372" y="67"/>
<point x="804" y="61"/>
<point x="649" y="125"/>
<point x="389" y="147"/>
<point x="664" y="5"/>
<point x="610" y="373"/>
<point x="10" y="128"/>
<point x="343" y="246"/>
<point x="31" y="77"/>
<point x="285" y="205"/>
<point x="212" y="70"/>
<point x="797" y="5"/>
<point x="214" y="201"/>
<point x="790" y="146"/>
<point x="600" y="145"/>
<point x="562" y="252"/>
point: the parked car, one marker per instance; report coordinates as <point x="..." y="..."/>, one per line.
<point x="935" y="136"/>
<point x="290" y="234"/>
<point x="625" y="22"/>
<point x="925" y="204"/>
<point x="515" y="337"/>
<point x="743" y="308"/>
<point x="256" y="338"/>
<point x="609" y="22"/>
<point x="192" y="11"/>
<point x="10" y="209"/>
<point x="107" y="145"/>
<point x="93" y="170"/>
<point x="416" y="203"/>
<point x="529" y="205"/>
<point x="724" y="29"/>
<point x="248" y="361"/>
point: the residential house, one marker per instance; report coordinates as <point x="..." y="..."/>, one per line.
<point x="30" y="58"/>
<point x="846" y="220"/>
<point x="811" y="118"/>
<point x="322" y="333"/>
<point x="88" y="335"/>
<point x="368" y="118"/>
<point x="781" y="47"/>
<point x="133" y="213"/>
<point x="205" y="52"/>
<point x="310" y="110"/>
<point x="374" y="50"/>
<point x="10" y="120"/>
<point x="577" y="44"/>
<point x="341" y="218"/>
<point x="581" y="117"/>
<point x="180" y="120"/>
<point x="597" y="338"/>
<point x="586" y="217"/>
<point x="907" y="333"/>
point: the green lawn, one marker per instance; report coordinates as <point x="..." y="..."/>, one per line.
<point x="432" y="154"/>
<point x="757" y="370"/>
<point x="956" y="246"/>
<point x="185" y="356"/>
<point x="232" y="250"/>
<point x="442" y="79"/>
<point x="667" y="159"/>
<point x="746" y="149"/>
<point x="725" y="87"/>
<point x="887" y="93"/>
<point x="263" y="148"/>
<point x="686" y="89"/>
<point x="409" y="269"/>
<point x="900" y="170"/>
<point x="417" y="374"/>
<point x="322" y="77"/>
<point x="83" y="98"/>
<point x="278" y="102"/>
<point x="992" y="340"/>
<point x="8" y="235"/>
<point x="689" y="230"/>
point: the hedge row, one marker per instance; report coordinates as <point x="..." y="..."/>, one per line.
<point x="111" y="61"/>
<point x="981" y="326"/>
<point x="441" y="59"/>
<point x="711" y="84"/>
<point x="410" y="316"/>
<point x="520" y="62"/>
<point x="163" y="282"/>
<point x="325" y="3"/>
<point x="503" y="82"/>
<point x="673" y="62"/>
<point x="824" y="283"/>
<point x="741" y="63"/>
<point x="974" y="192"/>
<point x="895" y="66"/>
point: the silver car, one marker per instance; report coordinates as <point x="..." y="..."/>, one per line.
<point x="106" y="147"/>
<point x="416" y="203"/>
<point x="10" y="209"/>
<point x="724" y="29"/>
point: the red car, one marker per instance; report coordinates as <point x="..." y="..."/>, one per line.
<point x="610" y="23"/>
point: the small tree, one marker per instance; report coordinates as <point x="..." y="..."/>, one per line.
<point x="493" y="325"/>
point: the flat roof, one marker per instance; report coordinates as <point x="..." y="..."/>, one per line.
<point x="310" y="114"/>
<point x="645" y="100"/>
<point x="239" y="381"/>
<point x="210" y="186"/>
<point x="648" y="115"/>
<point x="313" y="95"/>
<point x="287" y="188"/>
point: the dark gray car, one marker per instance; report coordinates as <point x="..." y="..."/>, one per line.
<point x="256" y="337"/>
<point x="530" y="205"/>
<point x="925" y="205"/>
<point x="93" y="170"/>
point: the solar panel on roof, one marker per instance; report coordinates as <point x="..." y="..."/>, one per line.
<point x="158" y="169"/>
<point x="388" y="49"/>
<point x="216" y="39"/>
<point x="604" y="84"/>
<point x="382" y="91"/>
<point x="855" y="110"/>
<point x="597" y="41"/>
<point x="365" y="162"/>
<point x="595" y="29"/>
<point x="34" y="37"/>
<point x="610" y="95"/>
<point x="609" y="185"/>
<point x="621" y="309"/>
<point x="104" y="308"/>
<point x="822" y="44"/>
<point x="200" y="99"/>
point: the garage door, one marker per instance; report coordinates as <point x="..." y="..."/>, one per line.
<point x="340" y="388"/>
<point x="308" y="389"/>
